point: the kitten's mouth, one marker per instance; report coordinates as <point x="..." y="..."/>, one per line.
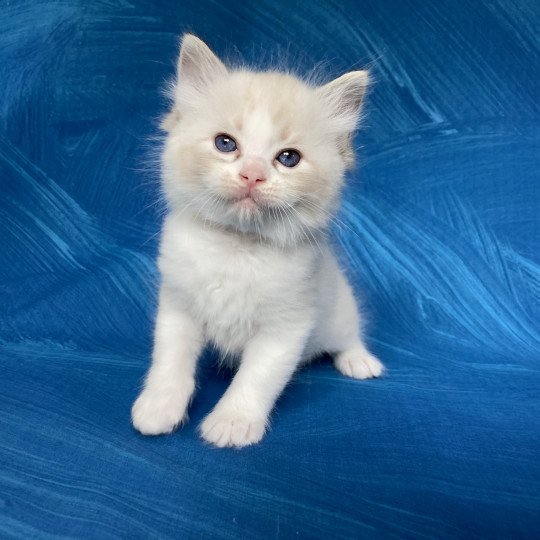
<point x="247" y="202"/>
<point x="253" y="205"/>
<point x="254" y="202"/>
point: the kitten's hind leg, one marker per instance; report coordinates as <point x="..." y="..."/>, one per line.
<point x="343" y="336"/>
<point x="358" y="362"/>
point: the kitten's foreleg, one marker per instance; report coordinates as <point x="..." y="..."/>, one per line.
<point x="170" y="382"/>
<point x="241" y="416"/>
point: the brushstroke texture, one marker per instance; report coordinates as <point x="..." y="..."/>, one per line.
<point x="439" y="230"/>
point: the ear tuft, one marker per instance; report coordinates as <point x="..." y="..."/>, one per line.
<point x="170" y="120"/>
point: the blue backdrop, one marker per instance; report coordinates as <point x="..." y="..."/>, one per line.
<point x="440" y="231"/>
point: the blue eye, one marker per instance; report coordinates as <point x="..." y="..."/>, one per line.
<point x="289" y="158"/>
<point x="225" y="143"/>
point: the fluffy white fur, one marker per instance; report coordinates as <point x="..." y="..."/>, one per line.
<point x="254" y="275"/>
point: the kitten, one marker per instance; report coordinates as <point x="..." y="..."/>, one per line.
<point x="252" y="168"/>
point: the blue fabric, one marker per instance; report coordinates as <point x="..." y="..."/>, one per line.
<point x="440" y="231"/>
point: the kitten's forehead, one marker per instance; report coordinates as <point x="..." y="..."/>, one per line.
<point x="269" y="107"/>
<point x="259" y="131"/>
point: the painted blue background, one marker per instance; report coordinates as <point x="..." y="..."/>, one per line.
<point x="440" y="231"/>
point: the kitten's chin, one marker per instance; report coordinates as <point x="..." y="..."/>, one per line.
<point x="245" y="216"/>
<point x="245" y="213"/>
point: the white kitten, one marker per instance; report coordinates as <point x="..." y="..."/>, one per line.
<point x="253" y="167"/>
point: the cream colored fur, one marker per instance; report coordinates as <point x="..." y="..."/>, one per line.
<point x="255" y="277"/>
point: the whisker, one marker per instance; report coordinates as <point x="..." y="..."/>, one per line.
<point x="308" y="233"/>
<point x="332" y="218"/>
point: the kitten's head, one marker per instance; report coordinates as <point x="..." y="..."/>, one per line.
<point x="258" y="152"/>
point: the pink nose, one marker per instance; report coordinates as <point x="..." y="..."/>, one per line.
<point x="252" y="172"/>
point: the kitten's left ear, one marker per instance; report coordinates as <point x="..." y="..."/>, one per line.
<point x="344" y="96"/>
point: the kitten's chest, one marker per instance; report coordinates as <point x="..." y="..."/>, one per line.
<point x="226" y="282"/>
<point x="230" y="286"/>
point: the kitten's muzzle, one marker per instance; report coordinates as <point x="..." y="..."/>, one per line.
<point x="253" y="172"/>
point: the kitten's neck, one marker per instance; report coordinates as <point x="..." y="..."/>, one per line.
<point x="278" y="238"/>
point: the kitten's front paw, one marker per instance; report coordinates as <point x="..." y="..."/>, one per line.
<point x="228" y="428"/>
<point x="158" y="411"/>
<point x="358" y="363"/>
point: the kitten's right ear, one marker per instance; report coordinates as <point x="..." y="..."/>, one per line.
<point x="198" y="66"/>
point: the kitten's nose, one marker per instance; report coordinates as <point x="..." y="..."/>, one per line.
<point x="253" y="171"/>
